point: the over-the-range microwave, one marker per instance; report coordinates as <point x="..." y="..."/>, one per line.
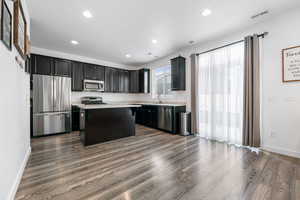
<point x="93" y="86"/>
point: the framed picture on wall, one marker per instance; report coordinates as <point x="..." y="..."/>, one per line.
<point x="291" y="64"/>
<point x="28" y="46"/>
<point x="1" y="5"/>
<point x="6" y="25"/>
<point x="20" y="29"/>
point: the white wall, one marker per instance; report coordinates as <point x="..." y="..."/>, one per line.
<point x="14" y="119"/>
<point x="280" y="101"/>
<point x="107" y="97"/>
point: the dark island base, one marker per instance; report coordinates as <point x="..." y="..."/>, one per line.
<point x="102" y="125"/>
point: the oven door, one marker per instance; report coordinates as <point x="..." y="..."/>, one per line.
<point x="93" y="86"/>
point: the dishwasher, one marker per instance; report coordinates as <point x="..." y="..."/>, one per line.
<point x="165" y="118"/>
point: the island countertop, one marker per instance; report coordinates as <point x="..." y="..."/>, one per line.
<point x="104" y="106"/>
<point x="162" y="104"/>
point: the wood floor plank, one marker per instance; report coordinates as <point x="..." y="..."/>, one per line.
<point x="157" y="166"/>
<point x="65" y="177"/>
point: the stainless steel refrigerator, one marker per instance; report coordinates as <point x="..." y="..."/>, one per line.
<point x="51" y="105"/>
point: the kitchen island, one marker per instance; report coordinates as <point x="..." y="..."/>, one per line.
<point x="102" y="123"/>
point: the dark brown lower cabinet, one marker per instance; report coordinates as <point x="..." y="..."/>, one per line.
<point x="75" y="118"/>
<point x="150" y="115"/>
<point x="147" y="115"/>
<point x="115" y="123"/>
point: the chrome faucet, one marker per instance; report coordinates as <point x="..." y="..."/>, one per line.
<point x="159" y="99"/>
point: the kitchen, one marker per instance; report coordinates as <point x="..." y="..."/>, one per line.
<point x="155" y="100"/>
<point x="54" y="111"/>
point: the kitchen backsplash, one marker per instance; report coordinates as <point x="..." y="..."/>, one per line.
<point x="119" y="97"/>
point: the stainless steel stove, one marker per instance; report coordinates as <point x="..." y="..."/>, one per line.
<point x="92" y="100"/>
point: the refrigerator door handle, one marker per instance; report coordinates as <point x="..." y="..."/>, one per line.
<point x="54" y="94"/>
<point x="54" y="113"/>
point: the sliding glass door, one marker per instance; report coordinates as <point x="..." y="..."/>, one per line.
<point x="220" y="94"/>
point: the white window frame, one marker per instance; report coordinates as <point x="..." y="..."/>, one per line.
<point x="154" y="81"/>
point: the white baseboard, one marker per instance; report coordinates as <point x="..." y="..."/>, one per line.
<point x="19" y="176"/>
<point x="282" y="151"/>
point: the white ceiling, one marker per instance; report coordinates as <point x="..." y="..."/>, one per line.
<point x="121" y="27"/>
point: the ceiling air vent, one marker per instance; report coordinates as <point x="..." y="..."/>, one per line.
<point x="260" y="14"/>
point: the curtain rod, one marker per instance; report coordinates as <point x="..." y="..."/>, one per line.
<point x="233" y="43"/>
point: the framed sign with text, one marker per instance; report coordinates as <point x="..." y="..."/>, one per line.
<point x="291" y="64"/>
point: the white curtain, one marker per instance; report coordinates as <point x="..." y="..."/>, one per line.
<point x="220" y="94"/>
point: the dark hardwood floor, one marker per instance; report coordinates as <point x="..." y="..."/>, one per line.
<point x="155" y="165"/>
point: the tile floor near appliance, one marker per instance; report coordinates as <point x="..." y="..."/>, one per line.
<point x="155" y="165"/>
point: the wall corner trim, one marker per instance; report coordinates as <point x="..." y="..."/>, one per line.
<point x="282" y="151"/>
<point x="18" y="179"/>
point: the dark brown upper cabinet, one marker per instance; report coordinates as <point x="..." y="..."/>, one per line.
<point x="45" y="65"/>
<point x="139" y="81"/>
<point x="113" y="80"/>
<point x="77" y="76"/>
<point x="121" y="81"/>
<point x="134" y="81"/>
<point x="62" y="67"/>
<point x="28" y="65"/>
<point x="178" y="73"/>
<point x="94" y="72"/>
<point x="124" y="81"/>
<point x="144" y="81"/>
<point x="116" y="80"/>
<point x="42" y="65"/>
<point x="108" y="79"/>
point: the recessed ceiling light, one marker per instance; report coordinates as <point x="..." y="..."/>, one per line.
<point x="128" y="56"/>
<point x="87" y="14"/>
<point x="74" y="42"/>
<point x="154" y="41"/>
<point x="206" y="12"/>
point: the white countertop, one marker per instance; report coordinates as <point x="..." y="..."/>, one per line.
<point x="161" y="104"/>
<point x="125" y="105"/>
<point x="103" y="106"/>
